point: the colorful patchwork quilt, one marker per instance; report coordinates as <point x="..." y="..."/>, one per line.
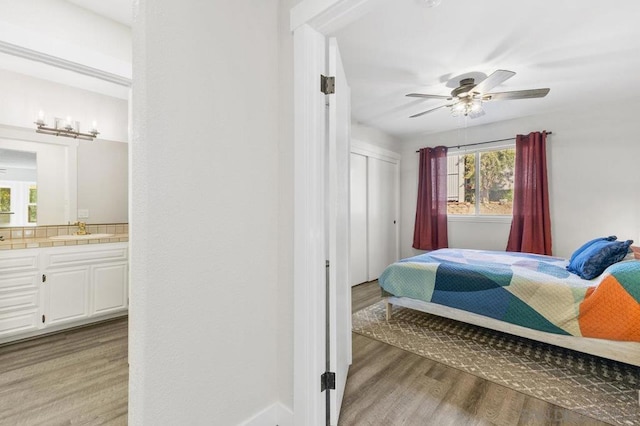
<point x="530" y="290"/>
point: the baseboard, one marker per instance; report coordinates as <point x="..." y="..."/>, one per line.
<point x="274" y="415"/>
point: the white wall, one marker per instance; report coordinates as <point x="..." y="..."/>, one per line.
<point x="204" y="314"/>
<point x="24" y="96"/>
<point x="593" y="158"/>
<point x="374" y="136"/>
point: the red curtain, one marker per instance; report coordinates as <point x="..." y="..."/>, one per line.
<point x="430" y="231"/>
<point x="531" y="225"/>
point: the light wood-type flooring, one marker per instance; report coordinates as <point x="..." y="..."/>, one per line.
<point x="390" y="386"/>
<point x="79" y="377"/>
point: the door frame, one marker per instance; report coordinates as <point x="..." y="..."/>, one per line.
<point x="310" y="22"/>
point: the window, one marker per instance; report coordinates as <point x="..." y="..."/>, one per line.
<point x="5" y="205"/>
<point x="32" y="207"/>
<point x="486" y="190"/>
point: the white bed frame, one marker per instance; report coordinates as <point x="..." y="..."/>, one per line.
<point x="628" y="352"/>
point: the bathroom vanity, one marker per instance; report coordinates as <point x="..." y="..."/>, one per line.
<point x="48" y="289"/>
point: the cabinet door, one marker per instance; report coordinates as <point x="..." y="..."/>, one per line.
<point x="109" y="288"/>
<point x="67" y="295"/>
<point x="382" y="229"/>
<point x="358" y="206"/>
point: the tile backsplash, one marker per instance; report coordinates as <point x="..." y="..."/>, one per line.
<point x="36" y="236"/>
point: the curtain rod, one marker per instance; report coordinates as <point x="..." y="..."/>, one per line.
<point x="482" y="143"/>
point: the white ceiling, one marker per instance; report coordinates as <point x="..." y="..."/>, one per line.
<point x="585" y="51"/>
<point x="118" y="10"/>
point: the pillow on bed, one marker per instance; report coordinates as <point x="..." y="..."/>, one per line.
<point x="593" y="260"/>
<point x="589" y="244"/>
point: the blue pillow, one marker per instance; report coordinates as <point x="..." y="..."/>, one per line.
<point x="593" y="260"/>
<point x="589" y="243"/>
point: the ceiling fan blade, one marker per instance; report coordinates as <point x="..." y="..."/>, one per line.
<point x="430" y="110"/>
<point x="492" y="81"/>
<point x="425" y="96"/>
<point x="517" y="94"/>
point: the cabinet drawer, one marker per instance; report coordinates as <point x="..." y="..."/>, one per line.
<point x="20" y="301"/>
<point x="18" y="261"/>
<point x="72" y="256"/>
<point x="18" y="283"/>
<point x="18" y="322"/>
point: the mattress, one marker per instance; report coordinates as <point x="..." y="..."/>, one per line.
<point x="529" y="290"/>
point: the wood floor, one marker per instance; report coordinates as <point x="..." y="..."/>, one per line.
<point x="390" y="386"/>
<point x="78" y="377"/>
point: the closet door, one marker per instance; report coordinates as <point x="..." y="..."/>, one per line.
<point x="382" y="229"/>
<point x="358" y="205"/>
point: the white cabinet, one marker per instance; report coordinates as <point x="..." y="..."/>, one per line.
<point x="53" y="288"/>
<point x="374" y="211"/>
<point x="19" y="292"/>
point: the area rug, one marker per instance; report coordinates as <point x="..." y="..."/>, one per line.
<point x="599" y="388"/>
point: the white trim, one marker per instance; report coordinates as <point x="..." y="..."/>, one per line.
<point x="479" y="218"/>
<point x="274" y="415"/>
<point x="33" y="55"/>
<point x="31" y="42"/>
<point x="370" y="150"/>
<point x="309" y="226"/>
<point x="628" y="352"/>
<point x="327" y="16"/>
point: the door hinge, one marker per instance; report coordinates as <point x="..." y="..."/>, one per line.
<point x="44" y="278"/>
<point x="327" y="381"/>
<point x="327" y="85"/>
<point x="43" y="318"/>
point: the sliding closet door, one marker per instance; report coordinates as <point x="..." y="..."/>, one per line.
<point x="382" y="230"/>
<point x="359" y="252"/>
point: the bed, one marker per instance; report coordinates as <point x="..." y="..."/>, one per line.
<point x="527" y="295"/>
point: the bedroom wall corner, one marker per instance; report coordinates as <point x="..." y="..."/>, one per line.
<point x="275" y="414"/>
<point x="374" y="136"/>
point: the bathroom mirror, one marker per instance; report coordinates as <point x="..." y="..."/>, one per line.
<point x="62" y="183"/>
<point x="18" y="188"/>
<point x="102" y="175"/>
<point x="41" y="185"/>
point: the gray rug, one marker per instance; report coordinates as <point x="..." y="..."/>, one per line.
<point x="599" y="388"/>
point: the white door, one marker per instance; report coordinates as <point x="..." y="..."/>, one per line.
<point x="358" y="207"/>
<point x="338" y="234"/>
<point x="382" y="226"/>
<point x="67" y="298"/>
<point x="110" y="291"/>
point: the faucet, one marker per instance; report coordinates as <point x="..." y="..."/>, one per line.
<point x="82" y="228"/>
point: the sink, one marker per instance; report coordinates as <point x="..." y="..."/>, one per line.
<point x="80" y="237"/>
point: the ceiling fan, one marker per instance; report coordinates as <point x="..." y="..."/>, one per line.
<point x="467" y="98"/>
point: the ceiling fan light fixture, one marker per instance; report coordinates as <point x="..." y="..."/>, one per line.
<point x="431" y="3"/>
<point x="468" y="106"/>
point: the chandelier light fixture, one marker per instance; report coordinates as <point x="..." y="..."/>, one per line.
<point x="65" y="127"/>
